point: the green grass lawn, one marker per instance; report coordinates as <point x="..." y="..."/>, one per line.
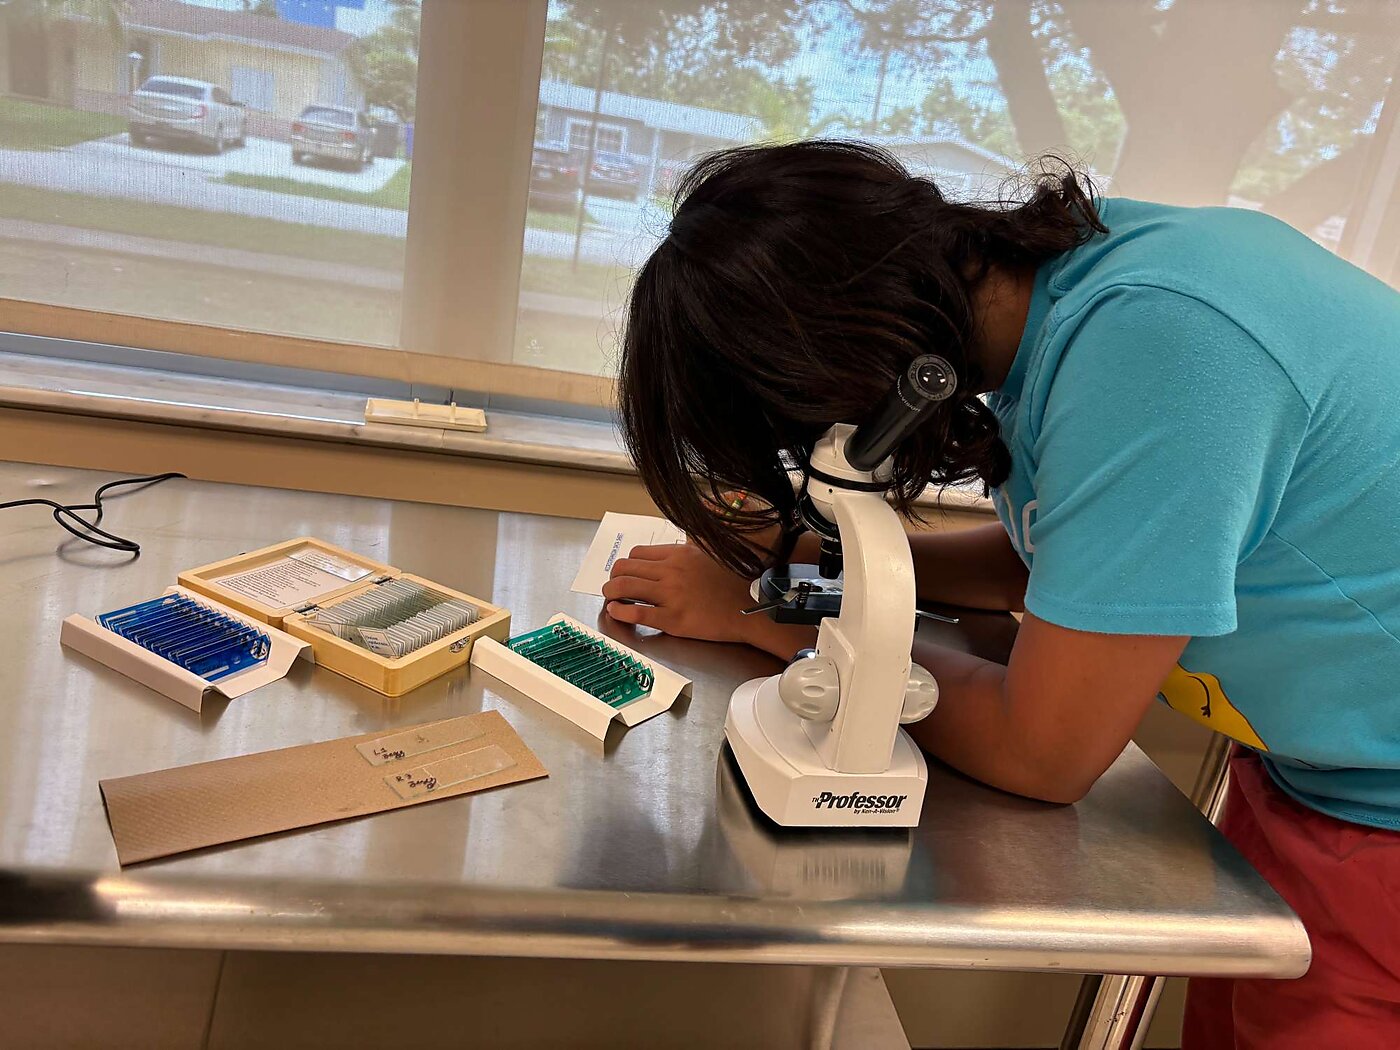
<point x="192" y="226"/>
<point x="573" y="344"/>
<point x="561" y="222"/>
<point x="35" y="126"/>
<point x="393" y="194"/>
<point x="585" y="343"/>
<point x="607" y="284"/>
<point x="210" y="295"/>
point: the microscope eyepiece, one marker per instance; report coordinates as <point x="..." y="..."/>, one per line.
<point x="928" y="380"/>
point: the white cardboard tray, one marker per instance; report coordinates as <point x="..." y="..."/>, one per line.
<point x="586" y="712"/>
<point x="184" y="687"/>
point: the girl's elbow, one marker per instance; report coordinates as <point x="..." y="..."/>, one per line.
<point x="1061" y="794"/>
<point x="1058" y="783"/>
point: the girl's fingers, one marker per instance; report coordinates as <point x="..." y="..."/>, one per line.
<point x="641" y="615"/>
<point x="634" y="589"/>
<point x="639" y="567"/>
<point x="656" y="552"/>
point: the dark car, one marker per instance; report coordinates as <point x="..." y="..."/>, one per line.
<point x="614" y="175"/>
<point x="554" y="178"/>
<point x="333" y="133"/>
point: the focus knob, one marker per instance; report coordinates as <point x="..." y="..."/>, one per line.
<point x="920" y="695"/>
<point x="809" y="687"/>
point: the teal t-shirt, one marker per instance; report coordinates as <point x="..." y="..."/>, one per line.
<point x="1204" y="424"/>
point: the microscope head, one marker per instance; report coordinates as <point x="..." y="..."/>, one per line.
<point x="859" y="459"/>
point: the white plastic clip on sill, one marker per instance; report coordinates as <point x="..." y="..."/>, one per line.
<point x="416" y="414"/>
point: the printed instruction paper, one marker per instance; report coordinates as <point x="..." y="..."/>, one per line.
<point x="617" y="535"/>
<point x="290" y="581"/>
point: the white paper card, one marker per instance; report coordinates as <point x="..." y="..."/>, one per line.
<point x="331" y="564"/>
<point x="169" y="679"/>
<point x="617" y="535"/>
<point x="284" y="583"/>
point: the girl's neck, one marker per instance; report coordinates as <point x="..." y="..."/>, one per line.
<point x="1000" y="304"/>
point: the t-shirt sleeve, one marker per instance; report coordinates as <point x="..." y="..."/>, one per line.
<point x="1166" y="443"/>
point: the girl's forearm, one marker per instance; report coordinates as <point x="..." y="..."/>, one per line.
<point x="974" y="729"/>
<point x="783" y="640"/>
<point x="976" y="568"/>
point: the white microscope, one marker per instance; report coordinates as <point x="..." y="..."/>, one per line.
<point x="820" y="745"/>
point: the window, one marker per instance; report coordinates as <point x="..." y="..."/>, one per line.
<point x="191" y="209"/>
<point x="461" y="238"/>
<point x="177" y="88"/>
<point x="255" y="88"/>
<point x="609" y="137"/>
<point x="323" y="115"/>
<point x="1284" y="106"/>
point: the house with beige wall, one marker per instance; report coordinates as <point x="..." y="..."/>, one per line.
<point x="274" y="66"/>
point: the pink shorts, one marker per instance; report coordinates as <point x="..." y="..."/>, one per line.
<point x="1343" y="880"/>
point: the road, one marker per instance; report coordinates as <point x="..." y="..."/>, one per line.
<point x="622" y="233"/>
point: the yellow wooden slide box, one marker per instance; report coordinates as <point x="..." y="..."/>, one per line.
<point x="390" y="676"/>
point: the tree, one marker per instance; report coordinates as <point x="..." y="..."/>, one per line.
<point x="686" y="53"/>
<point x="386" y="61"/>
<point x="939" y="33"/>
<point x="1252" y="94"/>
<point x="1185" y="101"/>
<point x="35" y="25"/>
<point x="944" y="108"/>
<point x="650" y="43"/>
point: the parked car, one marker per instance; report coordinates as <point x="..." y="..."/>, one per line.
<point x="554" y="178"/>
<point x="333" y="133"/>
<point x="170" y="108"/>
<point x="614" y="175"/>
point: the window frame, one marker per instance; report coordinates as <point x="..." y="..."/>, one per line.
<point x="480" y="68"/>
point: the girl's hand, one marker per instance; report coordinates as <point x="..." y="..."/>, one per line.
<point x="688" y="594"/>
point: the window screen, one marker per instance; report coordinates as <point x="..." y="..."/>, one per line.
<point x="172" y="202"/>
<point x="1276" y="105"/>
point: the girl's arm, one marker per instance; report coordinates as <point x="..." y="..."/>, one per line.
<point x="1046" y="726"/>
<point x="977" y="568"/>
<point x="1049" y="724"/>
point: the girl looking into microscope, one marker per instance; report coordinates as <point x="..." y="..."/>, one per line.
<point x="1189" y="423"/>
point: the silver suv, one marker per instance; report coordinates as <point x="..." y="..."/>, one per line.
<point x="168" y="108"/>
<point x="333" y="133"/>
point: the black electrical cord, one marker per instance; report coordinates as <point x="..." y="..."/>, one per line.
<point x="69" y="517"/>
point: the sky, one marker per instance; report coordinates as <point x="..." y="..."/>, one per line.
<point x="359" y="23"/>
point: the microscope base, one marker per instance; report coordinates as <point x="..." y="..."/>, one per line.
<point x="795" y="788"/>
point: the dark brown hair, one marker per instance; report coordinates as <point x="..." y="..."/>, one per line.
<point x="796" y="283"/>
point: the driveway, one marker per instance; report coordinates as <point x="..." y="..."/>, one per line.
<point x="258" y="157"/>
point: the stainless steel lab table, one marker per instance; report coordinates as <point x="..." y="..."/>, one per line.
<point x="646" y="848"/>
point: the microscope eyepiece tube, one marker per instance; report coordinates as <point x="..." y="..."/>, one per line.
<point x="928" y="380"/>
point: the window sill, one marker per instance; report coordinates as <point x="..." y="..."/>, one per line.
<point x="148" y="395"/>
